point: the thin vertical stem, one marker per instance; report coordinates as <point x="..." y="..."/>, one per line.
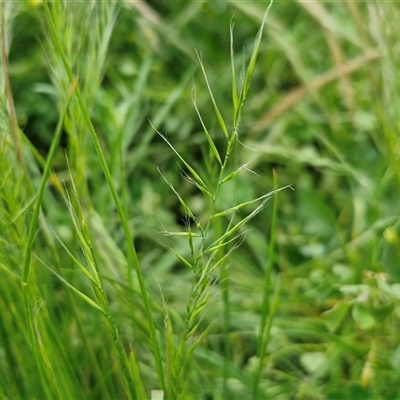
<point x="133" y="261"/>
<point x="266" y="308"/>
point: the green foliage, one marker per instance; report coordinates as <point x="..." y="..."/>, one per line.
<point x="150" y="245"/>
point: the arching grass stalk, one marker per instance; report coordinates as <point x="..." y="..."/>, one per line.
<point x="217" y="240"/>
<point x="238" y="97"/>
<point x="133" y="261"/>
<point x="131" y="376"/>
<point x="40" y="360"/>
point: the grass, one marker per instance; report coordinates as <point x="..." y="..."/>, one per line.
<point x="150" y="243"/>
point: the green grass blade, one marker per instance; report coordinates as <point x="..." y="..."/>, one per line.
<point x="209" y="139"/>
<point x="39" y="198"/>
<point x="254" y="55"/>
<point x="249" y="72"/>
<point x="195" y="175"/>
<point x="133" y="260"/>
<point x="235" y="94"/>
<point x="216" y="109"/>
<point x="27" y="259"/>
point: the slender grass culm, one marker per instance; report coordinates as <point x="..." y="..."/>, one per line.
<point x="212" y="241"/>
<point x="135" y="387"/>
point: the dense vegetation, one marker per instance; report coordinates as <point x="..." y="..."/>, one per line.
<point x="194" y="207"/>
